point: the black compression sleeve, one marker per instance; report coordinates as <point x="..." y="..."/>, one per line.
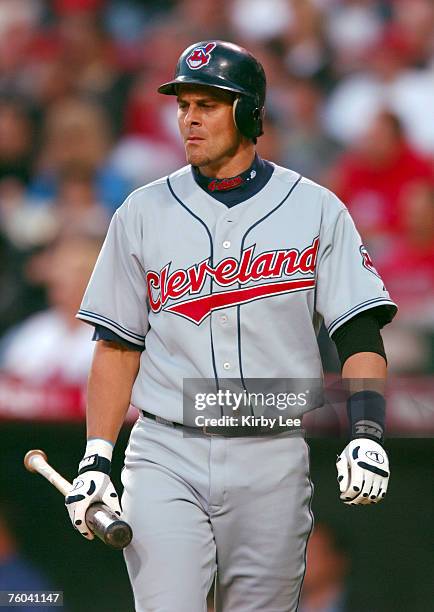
<point x="361" y="334"/>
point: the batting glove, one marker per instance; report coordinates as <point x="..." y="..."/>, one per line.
<point x="92" y="485"/>
<point x="363" y="472"/>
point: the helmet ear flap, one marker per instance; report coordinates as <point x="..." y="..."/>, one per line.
<point x="248" y="116"/>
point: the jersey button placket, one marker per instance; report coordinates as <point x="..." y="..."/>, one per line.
<point x="224" y="321"/>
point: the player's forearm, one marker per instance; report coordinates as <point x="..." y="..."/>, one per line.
<point x="112" y="375"/>
<point x="365" y="371"/>
<point x="365" y="377"/>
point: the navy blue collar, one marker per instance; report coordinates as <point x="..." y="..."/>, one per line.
<point x="236" y="189"/>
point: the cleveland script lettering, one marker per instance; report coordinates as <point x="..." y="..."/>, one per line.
<point x="165" y="286"/>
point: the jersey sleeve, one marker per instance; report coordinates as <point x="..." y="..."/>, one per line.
<point x="116" y="294"/>
<point x="347" y="281"/>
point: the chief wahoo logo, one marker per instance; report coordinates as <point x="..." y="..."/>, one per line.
<point x="200" y="56"/>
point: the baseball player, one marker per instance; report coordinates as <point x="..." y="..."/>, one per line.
<point x="225" y="270"/>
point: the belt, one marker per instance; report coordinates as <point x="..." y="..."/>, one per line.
<point x="228" y="432"/>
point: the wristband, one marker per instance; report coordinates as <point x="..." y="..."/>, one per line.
<point x="95" y="463"/>
<point x="97" y="456"/>
<point x="101" y="447"/>
<point x="366" y="413"/>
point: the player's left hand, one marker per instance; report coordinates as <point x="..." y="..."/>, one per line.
<point x="363" y="472"/>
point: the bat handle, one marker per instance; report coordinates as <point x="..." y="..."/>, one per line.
<point x="108" y="526"/>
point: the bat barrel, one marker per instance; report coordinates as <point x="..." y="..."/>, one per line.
<point x="108" y="526"/>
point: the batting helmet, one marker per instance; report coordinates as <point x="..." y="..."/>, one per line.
<point x="230" y="67"/>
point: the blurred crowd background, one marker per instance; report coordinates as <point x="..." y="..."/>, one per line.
<point x="350" y="105"/>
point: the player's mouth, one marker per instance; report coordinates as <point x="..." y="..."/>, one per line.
<point x="193" y="139"/>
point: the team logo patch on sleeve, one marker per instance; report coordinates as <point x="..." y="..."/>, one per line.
<point x="367" y="261"/>
<point x="200" y="56"/>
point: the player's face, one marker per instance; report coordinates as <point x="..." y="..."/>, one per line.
<point x="205" y="119"/>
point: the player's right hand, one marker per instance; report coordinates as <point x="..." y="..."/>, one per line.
<point x="90" y="486"/>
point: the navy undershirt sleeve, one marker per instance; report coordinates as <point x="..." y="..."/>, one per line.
<point x="102" y="333"/>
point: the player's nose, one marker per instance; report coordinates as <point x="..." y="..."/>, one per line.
<point x="192" y="116"/>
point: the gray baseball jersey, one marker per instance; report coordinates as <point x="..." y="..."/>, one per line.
<point x="218" y="292"/>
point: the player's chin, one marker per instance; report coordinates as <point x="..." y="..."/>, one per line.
<point x="196" y="157"/>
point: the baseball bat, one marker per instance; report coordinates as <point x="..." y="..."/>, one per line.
<point x="103" y="521"/>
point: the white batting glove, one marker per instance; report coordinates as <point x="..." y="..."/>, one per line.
<point x="92" y="485"/>
<point x="363" y="472"/>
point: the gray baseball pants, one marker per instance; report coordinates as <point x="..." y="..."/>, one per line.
<point x="197" y="505"/>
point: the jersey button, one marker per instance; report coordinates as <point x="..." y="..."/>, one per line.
<point x="226" y="244"/>
<point x="226" y="365"/>
<point x="223" y="319"/>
